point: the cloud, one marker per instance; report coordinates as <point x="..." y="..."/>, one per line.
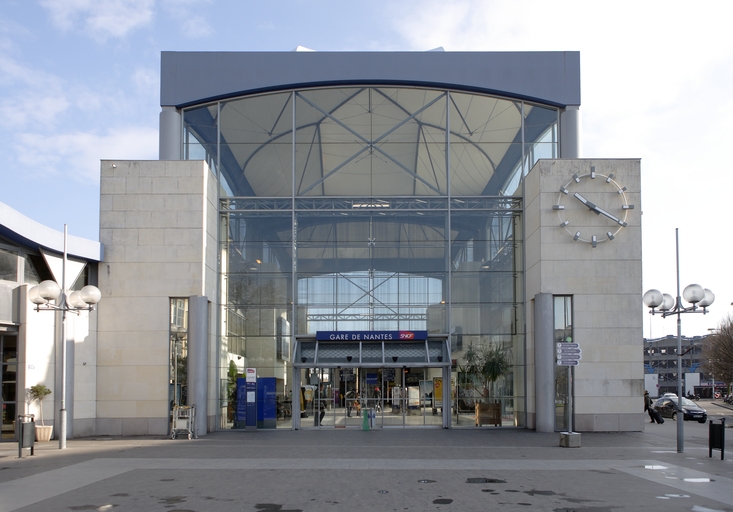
<point x="193" y="25"/>
<point x="22" y="111"/>
<point x="10" y="30"/>
<point x="30" y="96"/>
<point x="101" y="19"/>
<point x="146" y="80"/>
<point x="77" y="154"/>
<point x="13" y="72"/>
<point x="655" y="79"/>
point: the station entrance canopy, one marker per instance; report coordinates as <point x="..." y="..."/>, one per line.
<point x="371" y="349"/>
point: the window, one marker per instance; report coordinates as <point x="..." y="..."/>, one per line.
<point x="8" y="265"/>
<point x="178" y="351"/>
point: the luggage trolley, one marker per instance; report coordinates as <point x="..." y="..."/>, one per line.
<point x="183" y="421"/>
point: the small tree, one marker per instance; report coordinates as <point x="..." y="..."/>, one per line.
<point x="232" y="374"/>
<point x="717" y="353"/>
<point x="38" y="392"/>
<point x="484" y="365"/>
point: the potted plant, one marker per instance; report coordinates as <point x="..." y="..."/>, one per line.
<point x="39" y="392"/>
<point x="483" y="366"/>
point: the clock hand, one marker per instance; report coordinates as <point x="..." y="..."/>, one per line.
<point x="583" y="200"/>
<point x="613" y="218"/>
<point x="598" y="211"/>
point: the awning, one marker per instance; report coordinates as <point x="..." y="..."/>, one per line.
<point x="342" y="350"/>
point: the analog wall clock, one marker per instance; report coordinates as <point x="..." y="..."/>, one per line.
<point x="593" y="207"/>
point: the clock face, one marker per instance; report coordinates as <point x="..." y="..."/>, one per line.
<point x="593" y="208"/>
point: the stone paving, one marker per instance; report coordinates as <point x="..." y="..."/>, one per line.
<point x="380" y="470"/>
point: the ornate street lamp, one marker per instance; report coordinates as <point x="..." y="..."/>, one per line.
<point x="42" y="295"/>
<point x="664" y="304"/>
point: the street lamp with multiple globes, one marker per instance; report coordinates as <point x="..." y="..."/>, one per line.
<point x="699" y="298"/>
<point x="42" y="295"/>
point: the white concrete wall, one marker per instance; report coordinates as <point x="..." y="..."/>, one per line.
<point x="36" y="357"/>
<point x="39" y="336"/>
<point x="83" y="329"/>
<point x="158" y="223"/>
<point x="605" y="283"/>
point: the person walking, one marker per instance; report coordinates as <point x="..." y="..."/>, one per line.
<point x="649" y="408"/>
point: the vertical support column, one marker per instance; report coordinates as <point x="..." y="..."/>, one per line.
<point x="570" y="144"/>
<point x="70" y="367"/>
<point x="63" y="422"/>
<point x="447" y="405"/>
<point x="544" y="361"/>
<point x="295" y="404"/>
<point x="170" y="146"/>
<point x="21" y="381"/>
<point x="198" y="359"/>
<point x="58" y="403"/>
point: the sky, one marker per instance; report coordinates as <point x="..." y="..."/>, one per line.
<point x="79" y="82"/>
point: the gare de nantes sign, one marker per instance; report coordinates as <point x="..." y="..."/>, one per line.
<point x="371" y="335"/>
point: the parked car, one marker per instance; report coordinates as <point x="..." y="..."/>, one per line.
<point x="667" y="407"/>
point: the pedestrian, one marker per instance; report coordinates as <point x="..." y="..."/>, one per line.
<point x="648" y="405"/>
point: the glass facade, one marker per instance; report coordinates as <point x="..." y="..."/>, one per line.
<point x="178" y="353"/>
<point x="8" y="265"/>
<point x="370" y="208"/>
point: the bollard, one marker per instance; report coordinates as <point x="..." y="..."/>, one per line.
<point x="365" y="419"/>
<point x="26" y="434"/>
<point x="716" y="438"/>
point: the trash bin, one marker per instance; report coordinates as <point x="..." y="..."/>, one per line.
<point x="365" y="419"/>
<point x="716" y="438"/>
<point x="26" y="433"/>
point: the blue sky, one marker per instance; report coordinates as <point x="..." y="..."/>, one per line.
<point x="79" y="82"/>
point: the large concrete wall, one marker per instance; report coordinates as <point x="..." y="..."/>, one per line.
<point x="158" y="223"/>
<point x="605" y="283"/>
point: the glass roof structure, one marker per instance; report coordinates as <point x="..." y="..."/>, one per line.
<point x="370" y="141"/>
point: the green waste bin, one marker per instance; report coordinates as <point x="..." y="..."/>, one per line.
<point x="365" y="419"/>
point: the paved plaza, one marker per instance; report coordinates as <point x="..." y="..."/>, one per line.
<point x="381" y="470"/>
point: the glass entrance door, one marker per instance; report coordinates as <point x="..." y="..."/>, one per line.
<point x="398" y="397"/>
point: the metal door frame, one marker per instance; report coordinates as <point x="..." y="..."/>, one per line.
<point x="443" y="363"/>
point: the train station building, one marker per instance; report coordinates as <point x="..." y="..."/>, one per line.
<point x="328" y="234"/>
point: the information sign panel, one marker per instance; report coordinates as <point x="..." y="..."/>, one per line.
<point x="251" y="387"/>
<point x="568" y="354"/>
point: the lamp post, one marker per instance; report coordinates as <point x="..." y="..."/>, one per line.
<point x="700" y="298"/>
<point x="81" y="300"/>
<point x="712" y="375"/>
<point x="711" y="363"/>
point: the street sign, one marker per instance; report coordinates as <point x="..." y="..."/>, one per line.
<point x="567" y="346"/>
<point x="568" y="354"/>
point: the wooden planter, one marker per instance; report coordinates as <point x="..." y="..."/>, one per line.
<point x="488" y="414"/>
